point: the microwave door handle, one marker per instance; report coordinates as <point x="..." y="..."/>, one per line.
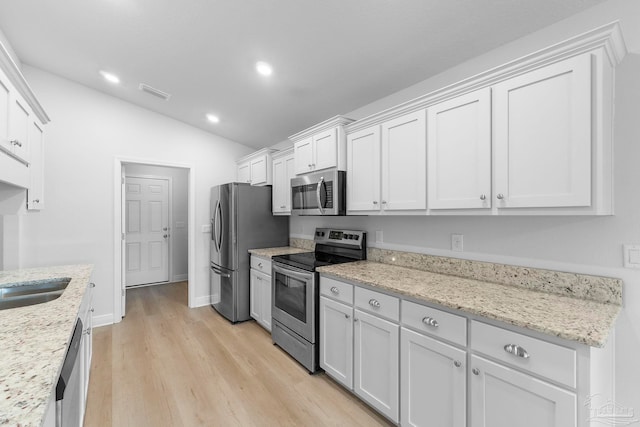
<point x="318" y="190"/>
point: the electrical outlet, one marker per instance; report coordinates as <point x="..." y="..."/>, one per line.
<point x="379" y="236"/>
<point x="456" y="242"/>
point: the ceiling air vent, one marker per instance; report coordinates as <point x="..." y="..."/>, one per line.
<point x="155" y="92"/>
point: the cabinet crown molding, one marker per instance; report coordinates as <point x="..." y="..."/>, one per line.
<point x="327" y="124"/>
<point x="606" y="39"/>
<point x="282" y="153"/>
<point x="17" y="79"/>
<point x="255" y="154"/>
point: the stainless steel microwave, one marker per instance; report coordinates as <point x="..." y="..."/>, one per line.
<point x="320" y="193"/>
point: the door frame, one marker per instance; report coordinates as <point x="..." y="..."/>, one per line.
<point x="169" y="220"/>
<point x="118" y="282"/>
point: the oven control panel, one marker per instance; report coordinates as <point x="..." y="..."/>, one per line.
<point x="331" y="236"/>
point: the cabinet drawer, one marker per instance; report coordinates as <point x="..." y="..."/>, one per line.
<point x="337" y="290"/>
<point x="435" y="322"/>
<point x="261" y="264"/>
<point x="378" y="303"/>
<point x="540" y="357"/>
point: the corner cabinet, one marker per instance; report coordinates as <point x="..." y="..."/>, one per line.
<point x="22" y="122"/>
<point x="255" y="169"/>
<point x="321" y="146"/>
<point x="422" y="365"/>
<point x="283" y="171"/>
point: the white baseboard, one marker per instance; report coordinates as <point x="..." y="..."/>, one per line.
<point x="202" y="301"/>
<point x="103" y="320"/>
<point x="180" y="277"/>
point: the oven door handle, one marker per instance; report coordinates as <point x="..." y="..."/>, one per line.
<point x="291" y="273"/>
<point x="320" y="184"/>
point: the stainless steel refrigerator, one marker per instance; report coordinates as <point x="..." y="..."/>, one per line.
<point x="241" y="219"/>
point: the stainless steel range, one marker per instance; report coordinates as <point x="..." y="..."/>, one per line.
<point x="295" y="288"/>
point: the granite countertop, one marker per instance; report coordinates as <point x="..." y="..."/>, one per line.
<point x="580" y="320"/>
<point x="271" y="252"/>
<point x="34" y="341"/>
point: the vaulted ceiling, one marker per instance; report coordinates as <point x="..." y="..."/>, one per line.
<point x="329" y="56"/>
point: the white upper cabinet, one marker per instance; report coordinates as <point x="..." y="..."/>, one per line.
<point x="459" y="152"/>
<point x="321" y="147"/>
<point x="363" y="170"/>
<point x="543" y="141"/>
<point x="4" y="112"/>
<point x="35" y="192"/>
<point x="255" y="168"/>
<point x="19" y="126"/>
<point x="283" y="171"/>
<point x="404" y="163"/>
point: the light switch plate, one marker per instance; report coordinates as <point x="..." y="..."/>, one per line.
<point x="631" y="255"/>
<point x="379" y="236"/>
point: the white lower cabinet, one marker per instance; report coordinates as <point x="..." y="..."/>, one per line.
<point x="336" y="340"/>
<point x="433" y="382"/>
<point x="376" y="362"/>
<point x="260" y="291"/>
<point x="504" y="397"/>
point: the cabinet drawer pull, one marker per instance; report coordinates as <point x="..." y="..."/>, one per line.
<point x="475" y="371"/>
<point x="92" y="309"/>
<point x="500" y="196"/>
<point x="92" y="285"/>
<point x="457" y="363"/>
<point x="483" y="197"/>
<point x="516" y="350"/>
<point x="16" y="142"/>
<point x="282" y="207"/>
<point x="260" y="264"/>
<point x="430" y="321"/>
<point x="374" y="303"/>
<point x="335" y="290"/>
<point x="346" y="316"/>
<point x="375" y="202"/>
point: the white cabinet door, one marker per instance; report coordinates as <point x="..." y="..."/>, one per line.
<point x="4" y="112"/>
<point x="363" y="170"/>
<point x="265" y="299"/>
<point x="283" y="171"/>
<point x="542" y="137"/>
<point x="304" y="155"/>
<point x="404" y="163"/>
<point x="20" y="121"/>
<point x="255" y="293"/>
<point x="376" y="363"/>
<point x="433" y="382"/>
<point x="244" y="172"/>
<point x="503" y="397"/>
<point x="258" y="172"/>
<point x="336" y="340"/>
<point x="459" y="152"/>
<point x="325" y="146"/>
<point x="35" y="192"/>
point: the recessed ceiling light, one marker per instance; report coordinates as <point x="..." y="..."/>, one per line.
<point x="264" y="68"/>
<point x="111" y="78"/>
<point x="213" y="118"/>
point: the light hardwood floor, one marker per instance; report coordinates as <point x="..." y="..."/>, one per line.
<point x="168" y="365"/>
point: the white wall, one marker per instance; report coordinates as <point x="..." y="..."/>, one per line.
<point x="590" y="245"/>
<point x="179" y="219"/>
<point x="87" y="132"/>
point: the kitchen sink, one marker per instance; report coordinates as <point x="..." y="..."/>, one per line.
<point x="22" y="294"/>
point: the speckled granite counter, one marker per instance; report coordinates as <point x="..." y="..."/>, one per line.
<point x="580" y="320"/>
<point x="271" y="252"/>
<point x="33" y="343"/>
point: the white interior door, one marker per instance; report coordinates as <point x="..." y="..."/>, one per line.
<point x="147" y="230"/>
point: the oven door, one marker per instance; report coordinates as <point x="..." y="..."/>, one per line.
<point x="293" y="300"/>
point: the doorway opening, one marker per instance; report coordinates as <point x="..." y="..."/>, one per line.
<point x="154" y="222"/>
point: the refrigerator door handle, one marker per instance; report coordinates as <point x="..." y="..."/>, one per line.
<point x="219" y="272"/>
<point x="214" y="223"/>
<point x="221" y="226"/>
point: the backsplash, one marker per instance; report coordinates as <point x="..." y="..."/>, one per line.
<point x="593" y="288"/>
<point x="302" y="243"/>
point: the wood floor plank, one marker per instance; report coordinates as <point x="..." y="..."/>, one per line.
<point x="168" y="365"/>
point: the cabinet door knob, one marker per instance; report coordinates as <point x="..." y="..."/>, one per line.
<point x="282" y="207"/>
<point x="374" y="303"/>
<point x="384" y="202"/>
<point x="92" y="285"/>
<point x="457" y="363"/>
<point x="475" y="371"/>
<point x="260" y="264"/>
<point x="92" y="309"/>
<point x="430" y="321"/>
<point x="516" y="350"/>
<point x="375" y="202"/>
<point x="16" y="142"/>
<point x="346" y="316"/>
<point x="500" y="196"/>
<point x="483" y="197"/>
<point x="335" y="290"/>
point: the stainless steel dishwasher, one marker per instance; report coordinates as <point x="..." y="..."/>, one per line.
<point x="68" y="390"/>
